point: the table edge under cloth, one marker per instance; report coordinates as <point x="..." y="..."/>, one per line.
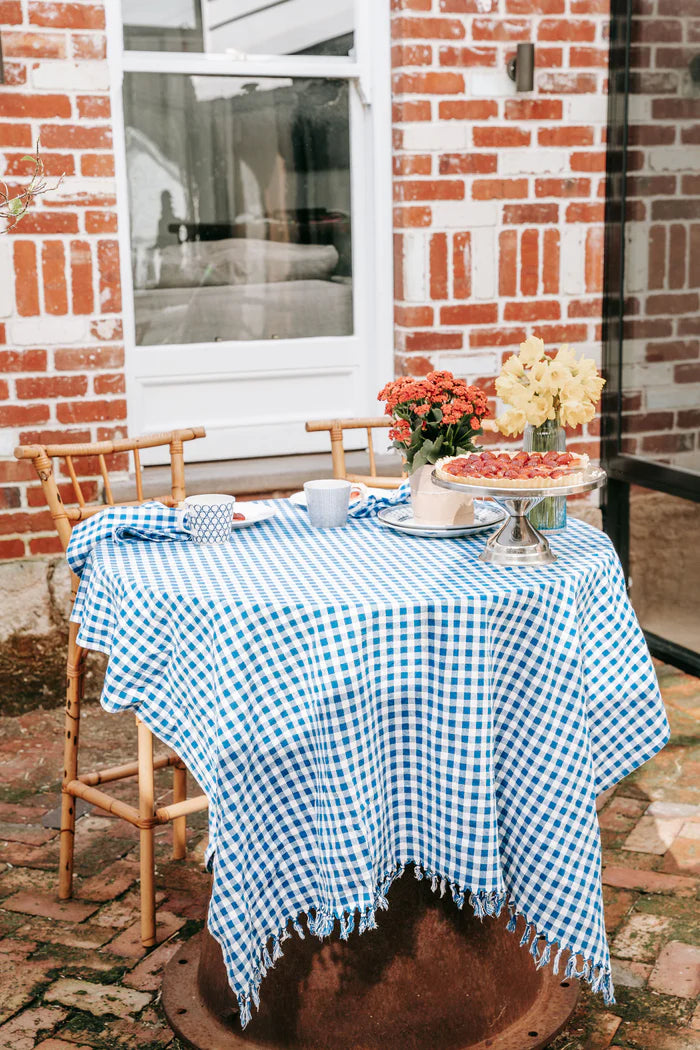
<point x="322" y="924"/>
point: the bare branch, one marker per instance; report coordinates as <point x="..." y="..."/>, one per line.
<point x="13" y="208"/>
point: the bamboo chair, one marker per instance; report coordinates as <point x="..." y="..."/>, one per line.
<point x="336" y="429"/>
<point x="146" y="818"/>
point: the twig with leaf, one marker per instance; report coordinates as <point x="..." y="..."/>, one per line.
<point x="13" y="206"/>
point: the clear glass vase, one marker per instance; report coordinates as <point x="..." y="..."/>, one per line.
<point x="550" y="514"/>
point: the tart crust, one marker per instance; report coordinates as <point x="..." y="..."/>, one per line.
<point x="572" y="474"/>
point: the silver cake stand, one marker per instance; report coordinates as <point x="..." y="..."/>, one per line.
<point x="518" y="542"/>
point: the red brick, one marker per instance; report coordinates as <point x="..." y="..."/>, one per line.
<point x="22" y="415"/>
<point x="689" y="418"/>
<point x="36" y="498"/>
<point x="51" y="386"/>
<point x="594" y="259"/>
<point x="688" y="373"/>
<point x="66" y="16"/>
<point x="523" y="214"/>
<point x="110" y="283"/>
<point x="467" y="56"/>
<point x="53" y="266"/>
<point x="566" y="136"/>
<point x="429" y="190"/>
<point x="22" y="361"/>
<point x="461" y="7"/>
<point x="426" y="84"/>
<point x="411" y="5"/>
<point x="529" y="262"/>
<point x="590" y="7"/>
<point x="585" y="212"/>
<point x="499" y="189"/>
<point x="12" y="470"/>
<point x="46" y="545"/>
<point x="90" y="411"/>
<point x="97" y="165"/>
<point x="76" y="136"/>
<point x="16" y="135"/>
<point x="92" y="107"/>
<point x="676" y="350"/>
<point x="51" y="437"/>
<point x="501" y="136"/>
<point x="89" y="45"/>
<point x="501" y="29"/>
<point x="535" y="7"/>
<point x="10" y="12"/>
<point x="589" y="56"/>
<point x="587" y="161"/>
<point x="672" y="304"/>
<point x="507" y="262"/>
<point x="81" y="277"/>
<point x="472" y="313"/>
<point x="37" y="106"/>
<point x="403" y="165"/>
<point x="568" y="30"/>
<point x="406" y="55"/>
<point x="11" y="548"/>
<point x="55" y="165"/>
<point x="497" y="337"/>
<point x="542" y="310"/>
<point x="26" y="280"/>
<point x="434" y="341"/>
<point x="438" y="266"/>
<point x="468" y="163"/>
<point x="573" y="187"/>
<point x="413" y="316"/>
<point x="677" y="255"/>
<point x="561" y="333"/>
<point x="667" y="443"/>
<point x="550" y="262"/>
<point x="49" y="222"/>
<point x="100" y="222"/>
<point x="411" y="110"/>
<point x="15" y="74"/>
<point x="461" y="265"/>
<point x="533" y="109"/>
<point x="428" y="28"/>
<point x="638" y="423"/>
<point x="467" y="109"/>
<point x="33" y="45"/>
<point x="398" y="243"/>
<point x="73" y="359"/>
<point x="585" y="308"/>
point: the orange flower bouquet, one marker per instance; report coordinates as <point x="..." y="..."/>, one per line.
<point x="434" y="416"/>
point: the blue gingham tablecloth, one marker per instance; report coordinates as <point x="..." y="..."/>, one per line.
<point x="355" y="701"/>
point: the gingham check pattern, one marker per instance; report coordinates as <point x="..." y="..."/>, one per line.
<point x="374" y="502"/>
<point x="353" y="701"/>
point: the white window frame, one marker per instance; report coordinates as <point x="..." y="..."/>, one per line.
<point x="369" y="76"/>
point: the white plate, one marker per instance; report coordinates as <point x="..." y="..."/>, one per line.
<point x="254" y="514"/>
<point x="299" y="498"/>
<point x="401" y="519"/>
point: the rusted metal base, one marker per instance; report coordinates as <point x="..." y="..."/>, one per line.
<point x="431" y="977"/>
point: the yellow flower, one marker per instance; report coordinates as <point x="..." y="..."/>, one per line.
<point x="572" y="413"/>
<point x="565" y="356"/>
<point x="531" y="351"/>
<point x="540" y="409"/>
<point x="508" y="387"/>
<point x="513" y="366"/>
<point x="593" y="387"/>
<point x="511" y="422"/>
<point x="559" y="374"/>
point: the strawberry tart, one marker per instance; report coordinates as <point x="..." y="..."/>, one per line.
<point x="498" y="468"/>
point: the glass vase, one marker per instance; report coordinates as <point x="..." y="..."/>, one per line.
<point x="550" y="514"/>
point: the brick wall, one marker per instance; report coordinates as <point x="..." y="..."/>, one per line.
<point x="498" y="219"/>
<point x="499" y="196"/>
<point x="661" y="417"/>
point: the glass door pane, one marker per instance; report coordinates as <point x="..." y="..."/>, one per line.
<point x="239" y="192"/>
<point x="661" y="352"/>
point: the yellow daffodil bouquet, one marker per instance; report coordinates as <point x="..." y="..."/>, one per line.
<point x="538" y="388"/>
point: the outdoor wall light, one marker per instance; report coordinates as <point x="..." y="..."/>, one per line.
<point x="521" y="69"/>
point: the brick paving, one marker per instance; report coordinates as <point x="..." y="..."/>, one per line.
<point x="75" y="977"/>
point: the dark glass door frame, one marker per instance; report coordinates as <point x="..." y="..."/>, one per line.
<point x="624" y="470"/>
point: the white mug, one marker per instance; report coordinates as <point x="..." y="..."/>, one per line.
<point x="208" y="518"/>
<point x="327" y="502"/>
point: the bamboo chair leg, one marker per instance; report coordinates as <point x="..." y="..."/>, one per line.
<point x="74" y="693"/>
<point x="147" y="854"/>
<point x="179" y="823"/>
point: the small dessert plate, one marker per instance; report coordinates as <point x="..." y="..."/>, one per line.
<point x="401" y="518"/>
<point x="253" y="514"/>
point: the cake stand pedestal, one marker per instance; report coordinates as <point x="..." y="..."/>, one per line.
<point x="518" y="542"/>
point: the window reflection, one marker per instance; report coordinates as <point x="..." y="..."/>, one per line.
<point x="240" y="207"/>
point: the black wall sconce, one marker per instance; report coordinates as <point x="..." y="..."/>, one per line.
<point x="521" y="69"/>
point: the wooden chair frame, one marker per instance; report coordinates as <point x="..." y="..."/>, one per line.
<point x="146" y="817"/>
<point x="335" y="428"/>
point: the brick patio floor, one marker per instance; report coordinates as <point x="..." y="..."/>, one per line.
<point x="74" y="976"/>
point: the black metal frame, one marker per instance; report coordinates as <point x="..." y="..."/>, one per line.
<point x="625" y="470"/>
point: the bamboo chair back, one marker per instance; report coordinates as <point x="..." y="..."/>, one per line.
<point x="336" y="428"/>
<point x="65" y="517"/>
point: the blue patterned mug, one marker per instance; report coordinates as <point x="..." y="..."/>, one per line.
<point x="208" y="518"/>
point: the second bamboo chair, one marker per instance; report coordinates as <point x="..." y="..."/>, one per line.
<point x="336" y="428"/>
<point x="146" y="817"/>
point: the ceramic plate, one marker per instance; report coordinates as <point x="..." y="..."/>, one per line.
<point x="254" y="514"/>
<point x="401" y="519"/>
